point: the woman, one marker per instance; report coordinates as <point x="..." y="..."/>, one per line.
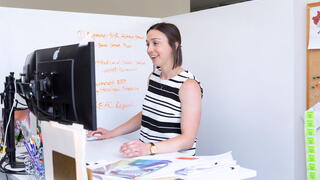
<point x="171" y="111"/>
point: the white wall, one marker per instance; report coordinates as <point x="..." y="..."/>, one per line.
<point x="145" y="8"/>
<point x="250" y="59"/>
<point x="300" y="86"/>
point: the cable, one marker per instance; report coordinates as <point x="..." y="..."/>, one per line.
<point x="34" y="106"/>
<point x="38" y="109"/>
<point x="8" y="171"/>
<point x="6" y="131"/>
<point x="14" y="98"/>
<point x="20" y="109"/>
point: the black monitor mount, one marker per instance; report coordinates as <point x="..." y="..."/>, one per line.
<point x="7" y="98"/>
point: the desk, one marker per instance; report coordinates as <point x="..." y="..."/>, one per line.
<point x="109" y="150"/>
<point x="104" y="149"/>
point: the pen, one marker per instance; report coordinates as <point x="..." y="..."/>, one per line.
<point x="41" y="140"/>
<point x="38" y="141"/>
<point x="33" y="141"/>
<point x="28" y="149"/>
<point x="33" y="158"/>
<point x="33" y="149"/>
<point x="187" y="158"/>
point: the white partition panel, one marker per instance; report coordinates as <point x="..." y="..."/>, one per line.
<point x="243" y="55"/>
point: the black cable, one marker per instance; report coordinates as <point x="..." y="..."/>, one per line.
<point x="38" y="109"/>
<point x="8" y="171"/>
<point x="5" y="167"/>
<point x="20" y="109"/>
<point x="1" y="162"/>
<point x="34" y="106"/>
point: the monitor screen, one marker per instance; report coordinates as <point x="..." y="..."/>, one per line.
<point x="59" y="84"/>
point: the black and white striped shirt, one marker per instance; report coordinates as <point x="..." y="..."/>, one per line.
<point x="161" y="112"/>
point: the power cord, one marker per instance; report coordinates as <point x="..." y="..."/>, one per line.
<point x="3" y="168"/>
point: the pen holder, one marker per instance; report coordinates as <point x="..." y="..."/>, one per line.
<point x="35" y="165"/>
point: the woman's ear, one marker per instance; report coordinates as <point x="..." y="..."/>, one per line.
<point x="177" y="45"/>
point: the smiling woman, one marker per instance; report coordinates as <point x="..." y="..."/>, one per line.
<point x="165" y="39"/>
<point x="171" y="111"/>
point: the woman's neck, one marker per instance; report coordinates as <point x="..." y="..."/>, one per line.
<point x="168" y="73"/>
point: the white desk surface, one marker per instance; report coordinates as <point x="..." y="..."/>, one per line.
<point x="109" y="150"/>
<point x="104" y="149"/>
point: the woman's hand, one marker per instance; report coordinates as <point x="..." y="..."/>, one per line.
<point x="135" y="148"/>
<point x="104" y="134"/>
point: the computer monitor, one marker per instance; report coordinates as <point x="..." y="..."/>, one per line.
<point x="59" y="84"/>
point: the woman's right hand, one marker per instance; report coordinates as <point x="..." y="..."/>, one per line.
<point x="100" y="133"/>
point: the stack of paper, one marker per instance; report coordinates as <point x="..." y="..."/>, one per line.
<point x="170" y="167"/>
<point x="130" y="169"/>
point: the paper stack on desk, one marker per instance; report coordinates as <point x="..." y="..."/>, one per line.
<point x="130" y="169"/>
<point x="169" y="167"/>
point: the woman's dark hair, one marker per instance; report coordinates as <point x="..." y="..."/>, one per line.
<point x="173" y="35"/>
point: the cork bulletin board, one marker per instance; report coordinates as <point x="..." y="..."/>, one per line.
<point x="313" y="54"/>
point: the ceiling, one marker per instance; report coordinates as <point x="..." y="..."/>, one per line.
<point x="197" y="5"/>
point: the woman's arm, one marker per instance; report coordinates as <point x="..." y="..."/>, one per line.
<point x="131" y="125"/>
<point x="190" y="97"/>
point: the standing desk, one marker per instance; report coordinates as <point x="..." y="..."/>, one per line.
<point x="108" y="150"/>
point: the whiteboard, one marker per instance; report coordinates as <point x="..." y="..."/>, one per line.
<point x="122" y="64"/>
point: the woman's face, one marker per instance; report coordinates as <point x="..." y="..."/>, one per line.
<point x="159" y="50"/>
